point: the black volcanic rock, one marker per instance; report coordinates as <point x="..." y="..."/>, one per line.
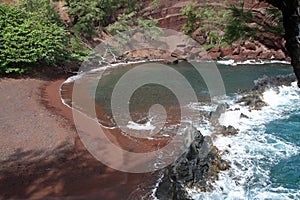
<point x="197" y="167"/>
<point x="254" y="101"/>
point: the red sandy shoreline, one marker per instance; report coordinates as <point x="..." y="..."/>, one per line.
<point x="51" y="95"/>
<point x="67" y="170"/>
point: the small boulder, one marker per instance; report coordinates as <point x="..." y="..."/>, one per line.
<point x="229" y="130"/>
<point x="250" y="46"/>
<point x="214" y="55"/>
<point x="226" y="51"/>
<point x="279" y="55"/>
<point x="253" y="101"/>
<point x="244" y="116"/>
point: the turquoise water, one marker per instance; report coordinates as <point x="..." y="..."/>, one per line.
<point x="243" y="77"/>
<point x="286" y="173"/>
<point x="264" y="156"/>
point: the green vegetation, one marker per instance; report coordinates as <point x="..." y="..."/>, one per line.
<point x="192" y="12"/>
<point x="242" y="24"/>
<point x="125" y="23"/>
<point x="222" y="26"/>
<point x="210" y="20"/>
<point x="42" y="7"/>
<point x="89" y="16"/>
<point x="33" y="34"/>
<point x="154" y="4"/>
<point x="27" y="38"/>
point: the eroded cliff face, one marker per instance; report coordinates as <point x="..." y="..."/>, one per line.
<point x="168" y="12"/>
<point x="266" y="47"/>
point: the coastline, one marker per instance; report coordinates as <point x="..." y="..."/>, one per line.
<point x="226" y="147"/>
<point x="50" y="93"/>
<point x="66" y="171"/>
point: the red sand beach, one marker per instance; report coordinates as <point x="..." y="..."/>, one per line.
<point x="41" y="155"/>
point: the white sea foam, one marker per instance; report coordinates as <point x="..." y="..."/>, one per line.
<point x="136" y="126"/>
<point x="154" y="190"/>
<point x="227" y="62"/>
<point x="202" y="106"/>
<point x="250" y="62"/>
<point x="253" y="152"/>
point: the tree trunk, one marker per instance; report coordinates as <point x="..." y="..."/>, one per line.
<point x="291" y="22"/>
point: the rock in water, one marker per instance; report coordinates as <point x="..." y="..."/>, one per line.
<point x="226" y="131"/>
<point x="197" y="167"/>
<point x="244" y="116"/>
<point x="215" y="116"/>
<point x="266" y="82"/>
<point x="254" y="101"/>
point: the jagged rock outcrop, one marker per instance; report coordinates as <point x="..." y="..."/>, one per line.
<point x="196" y="168"/>
<point x="215" y="115"/>
<point x="266" y="82"/>
<point x="250" y="50"/>
<point x="226" y="130"/>
<point x="254" y="101"/>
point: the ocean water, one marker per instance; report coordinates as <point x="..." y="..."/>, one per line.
<point x="264" y="156"/>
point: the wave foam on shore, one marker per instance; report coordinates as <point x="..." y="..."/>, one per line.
<point x="253" y="151"/>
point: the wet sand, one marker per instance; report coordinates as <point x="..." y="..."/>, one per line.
<point x="42" y="156"/>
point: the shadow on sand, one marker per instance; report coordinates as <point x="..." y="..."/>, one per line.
<point x="67" y="173"/>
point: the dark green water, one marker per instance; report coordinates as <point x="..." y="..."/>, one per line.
<point x="282" y="180"/>
<point x="235" y="78"/>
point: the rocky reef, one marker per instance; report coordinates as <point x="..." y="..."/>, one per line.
<point x="266" y="82"/>
<point x="196" y="168"/>
<point x="254" y="99"/>
<point x="199" y="166"/>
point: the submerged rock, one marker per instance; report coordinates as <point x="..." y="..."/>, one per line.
<point x="225" y="131"/>
<point x="196" y="168"/>
<point x="253" y="100"/>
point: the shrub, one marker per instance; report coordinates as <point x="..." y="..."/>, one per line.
<point x="45" y="8"/>
<point x="210" y="19"/>
<point x="88" y="16"/>
<point x="191" y="11"/>
<point x="29" y="39"/>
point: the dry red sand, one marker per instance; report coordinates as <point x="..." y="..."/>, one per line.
<point x="41" y="155"/>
